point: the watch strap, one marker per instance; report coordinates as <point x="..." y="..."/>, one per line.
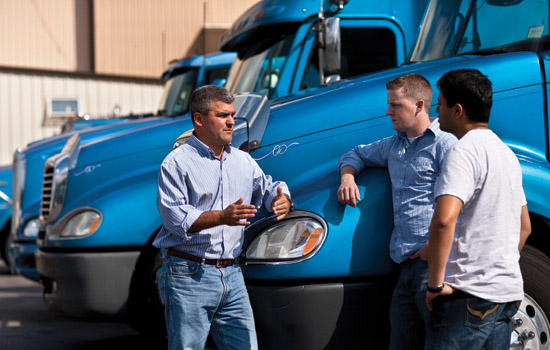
<point x="437" y="289"/>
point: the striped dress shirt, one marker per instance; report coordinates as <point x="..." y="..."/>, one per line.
<point x="413" y="168"/>
<point x="191" y="181"/>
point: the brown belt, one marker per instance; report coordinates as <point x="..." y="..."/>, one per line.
<point x="215" y="262"/>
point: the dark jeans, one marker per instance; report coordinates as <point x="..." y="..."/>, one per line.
<point x="408" y="312"/>
<point x="462" y="321"/>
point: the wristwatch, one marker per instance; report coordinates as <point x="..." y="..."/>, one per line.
<point x="437" y="289"/>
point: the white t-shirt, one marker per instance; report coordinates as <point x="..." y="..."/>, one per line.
<point x="485" y="174"/>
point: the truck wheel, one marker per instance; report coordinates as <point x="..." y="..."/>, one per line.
<point x="531" y="326"/>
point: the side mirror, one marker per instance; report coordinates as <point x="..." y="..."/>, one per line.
<point x="332" y="50"/>
<point x="331" y="79"/>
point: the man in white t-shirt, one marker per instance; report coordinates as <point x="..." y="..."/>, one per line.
<point x="479" y="226"/>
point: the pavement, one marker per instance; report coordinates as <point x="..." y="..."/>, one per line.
<point x="26" y="323"/>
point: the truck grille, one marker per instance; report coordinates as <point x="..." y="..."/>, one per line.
<point x="46" y="202"/>
<point x="54" y="182"/>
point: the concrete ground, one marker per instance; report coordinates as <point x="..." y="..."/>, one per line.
<point x="26" y="323"/>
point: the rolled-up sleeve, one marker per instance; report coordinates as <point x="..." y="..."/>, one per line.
<point x="173" y="201"/>
<point x="373" y="154"/>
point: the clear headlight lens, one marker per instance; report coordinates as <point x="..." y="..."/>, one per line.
<point x="31" y="228"/>
<point x="290" y="239"/>
<point x="81" y="224"/>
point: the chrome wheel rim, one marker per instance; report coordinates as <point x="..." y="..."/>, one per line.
<point x="531" y="327"/>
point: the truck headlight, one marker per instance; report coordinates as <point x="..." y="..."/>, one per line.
<point x="78" y="223"/>
<point x="287" y="241"/>
<point x="31" y="228"/>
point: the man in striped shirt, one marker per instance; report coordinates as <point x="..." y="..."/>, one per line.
<point x="207" y="192"/>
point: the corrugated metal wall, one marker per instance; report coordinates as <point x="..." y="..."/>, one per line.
<point x="23" y="99"/>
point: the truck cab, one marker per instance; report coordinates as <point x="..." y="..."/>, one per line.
<point x="181" y="78"/>
<point x="98" y="229"/>
<point x="286" y="46"/>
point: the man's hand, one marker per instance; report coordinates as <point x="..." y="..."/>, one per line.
<point x="281" y="204"/>
<point x="447" y="290"/>
<point x="421" y="253"/>
<point x="234" y="213"/>
<point x="348" y="192"/>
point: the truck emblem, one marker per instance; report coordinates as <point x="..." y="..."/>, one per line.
<point x="88" y="169"/>
<point x="278" y="150"/>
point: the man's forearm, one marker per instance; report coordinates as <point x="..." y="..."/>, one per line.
<point x="442" y="230"/>
<point x="207" y="220"/>
<point x="441" y="241"/>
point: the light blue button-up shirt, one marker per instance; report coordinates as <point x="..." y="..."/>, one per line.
<point x="191" y="181"/>
<point x="413" y="168"/>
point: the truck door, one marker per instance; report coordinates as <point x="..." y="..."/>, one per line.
<point x="367" y="46"/>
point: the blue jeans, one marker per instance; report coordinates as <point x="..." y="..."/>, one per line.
<point x="409" y="315"/>
<point x="462" y="321"/>
<point x="199" y="299"/>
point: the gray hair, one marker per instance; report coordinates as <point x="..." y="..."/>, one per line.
<point x="203" y="97"/>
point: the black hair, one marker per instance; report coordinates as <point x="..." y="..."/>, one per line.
<point x="469" y="88"/>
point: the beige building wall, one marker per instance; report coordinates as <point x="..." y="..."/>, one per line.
<point x="122" y="37"/>
<point x="45" y="34"/>
<point x="142" y="36"/>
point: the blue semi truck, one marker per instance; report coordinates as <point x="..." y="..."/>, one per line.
<point x="322" y="277"/>
<point x="181" y="77"/>
<point x="107" y="216"/>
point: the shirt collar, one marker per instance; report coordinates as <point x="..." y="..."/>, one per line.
<point x="204" y="149"/>
<point x="433" y="129"/>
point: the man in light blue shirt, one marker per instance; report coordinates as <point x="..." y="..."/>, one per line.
<point x="413" y="157"/>
<point x="207" y="191"/>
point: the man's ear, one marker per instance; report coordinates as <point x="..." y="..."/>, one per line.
<point x="419" y="106"/>
<point x="459" y="111"/>
<point x="197" y="118"/>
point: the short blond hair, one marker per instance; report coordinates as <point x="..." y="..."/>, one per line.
<point x="415" y="87"/>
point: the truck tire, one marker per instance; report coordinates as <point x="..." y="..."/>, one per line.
<point x="531" y="326"/>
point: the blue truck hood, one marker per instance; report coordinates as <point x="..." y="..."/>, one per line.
<point x="365" y="97"/>
<point x="38" y="152"/>
<point x="56" y="142"/>
<point x="319" y="110"/>
<point x="159" y="135"/>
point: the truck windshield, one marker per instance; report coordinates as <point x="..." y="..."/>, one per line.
<point x="177" y="90"/>
<point x="454" y="27"/>
<point x="260" y="72"/>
